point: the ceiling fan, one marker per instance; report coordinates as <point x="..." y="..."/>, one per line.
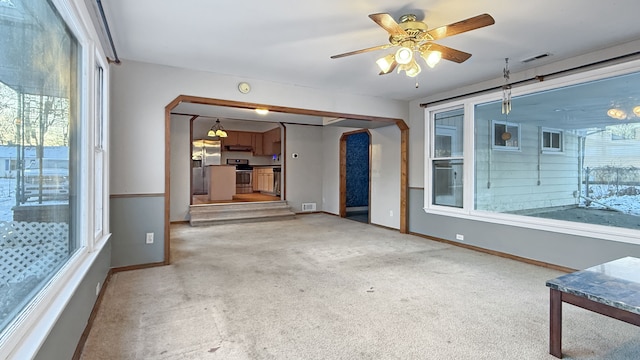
<point x="413" y="36"/>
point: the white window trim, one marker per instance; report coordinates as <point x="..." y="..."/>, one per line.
<point x="428" y="150"/>
<point x="493" y="135"/>
<point x="467" y="212"/>
<point x="551" y="150"/>
<point x="23" y="338"/>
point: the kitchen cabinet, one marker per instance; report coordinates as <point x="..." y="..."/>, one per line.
<point x="263" y="180"/>
<point x="271" y="142"/>
<point x="256" y="140"/>
<point x="244" y="138"/>
<point x="238" y="138"/>
<point x="231" y="139"/>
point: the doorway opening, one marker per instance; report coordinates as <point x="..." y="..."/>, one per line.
<point x="241" y="166"/>
<point x="235" y="105"/>
<point x="355" y="175"/>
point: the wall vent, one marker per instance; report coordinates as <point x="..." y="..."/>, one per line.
<point x="308" y="206"/>
<point x="537" y="57"/>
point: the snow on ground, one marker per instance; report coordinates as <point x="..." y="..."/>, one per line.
<point x="7" y="198"/>
<point x="628" y="204"/>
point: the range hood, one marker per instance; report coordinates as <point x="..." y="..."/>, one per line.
<point x="238" y="148"/>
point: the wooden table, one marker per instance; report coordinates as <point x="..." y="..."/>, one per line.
<point x="611" y="289"/>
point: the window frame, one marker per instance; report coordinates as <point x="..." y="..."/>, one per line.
<point x="25" y="335"/>
<point x="506" y="124"/>
<point x="552" y="225"/>
<point x="100" y="140"/>
<point x="430" y="134"/>
<point x="551" y="150"/>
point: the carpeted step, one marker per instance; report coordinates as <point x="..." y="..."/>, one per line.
<point x="210" y="214"/>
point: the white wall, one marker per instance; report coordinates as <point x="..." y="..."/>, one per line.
<point x="331" y="169"/>
<point x="140" y="92"/>
<point x="180" y="168"/>
<point x="385" y="176"/>
<point x="304" y="173"/>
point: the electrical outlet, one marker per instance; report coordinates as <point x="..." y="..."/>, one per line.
<point x="98" y="289"/>
<point x="391" y="213"/>
<point x="460" y="237"/>
<point x="149" y="239"/>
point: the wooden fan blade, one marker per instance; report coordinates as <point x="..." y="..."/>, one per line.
<point x="449" y="53"/>
<point x="473" y="23"/>
<point x="391" y="68"/>
<point x="379" y="47"/>
<point x="386" y="22"/>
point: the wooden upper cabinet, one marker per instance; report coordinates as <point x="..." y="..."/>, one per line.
<point x="271" y="142"/>
<point x="258" y="149"/>
<point x="231" y="139"/>
<point x="234" y="138"/>
<point x="244" y="138"/>
<point x="263" y="144"/>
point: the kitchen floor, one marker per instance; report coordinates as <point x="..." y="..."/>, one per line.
<point x="251" y="197"/>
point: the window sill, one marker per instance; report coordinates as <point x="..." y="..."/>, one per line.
<point x="558" y="226"/>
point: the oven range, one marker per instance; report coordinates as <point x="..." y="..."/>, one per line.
<point x="244" y="175"/>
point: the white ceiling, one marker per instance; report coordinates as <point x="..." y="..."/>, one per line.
<point x="291" y="42"/>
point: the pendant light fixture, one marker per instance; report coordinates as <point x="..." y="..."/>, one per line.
<point x="217" y="130"/>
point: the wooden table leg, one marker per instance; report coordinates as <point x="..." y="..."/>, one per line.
<point x="555" y="322"/>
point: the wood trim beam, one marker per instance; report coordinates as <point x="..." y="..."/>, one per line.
<point x="167" y="179"/>
<point x="404" y="176"/>
<point x="275" y="108"/>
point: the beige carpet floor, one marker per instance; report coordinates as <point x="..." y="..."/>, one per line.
<point x="321" y="287"/>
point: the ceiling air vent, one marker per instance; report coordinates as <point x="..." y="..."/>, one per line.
<point x="537" y="57"/>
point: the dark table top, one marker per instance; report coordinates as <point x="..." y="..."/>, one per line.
<point x="616" y="283"/>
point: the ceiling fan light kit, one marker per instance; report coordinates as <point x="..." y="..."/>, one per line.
<point x="433" y="58"/>
<point x="404" y="55"/>
<point x="387" y="63"/>
<point x="414" y="36"/>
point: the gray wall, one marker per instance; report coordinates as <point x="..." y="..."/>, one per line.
<point x="304" y="173"/>
<point x="571" y="251"/>
<point x="63" y="338"/>
<point x="131" y="218"/>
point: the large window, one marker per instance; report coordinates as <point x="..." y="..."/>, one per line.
<point x="577" y="158"/>
<point x="39" y="136"/>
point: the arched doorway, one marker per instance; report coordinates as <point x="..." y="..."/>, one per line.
<point x="355" y="175"/>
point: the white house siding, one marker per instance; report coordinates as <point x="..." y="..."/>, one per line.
<point x="509" y="181"/>
<point x="601" y="150"/>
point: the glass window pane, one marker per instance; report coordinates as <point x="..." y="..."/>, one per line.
<point x="592" y="177"/>
<point x="447" y="183"/>
<point x="38" y="183"/>
<point x="448" y="139"/>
